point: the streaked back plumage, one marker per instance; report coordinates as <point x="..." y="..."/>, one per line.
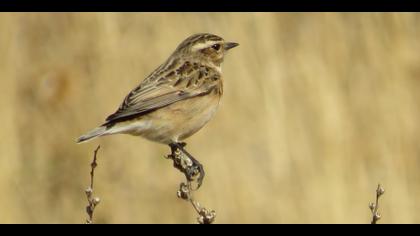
<point x="192" y="70"/>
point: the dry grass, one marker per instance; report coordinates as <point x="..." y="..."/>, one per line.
<point x="318" y="109"/>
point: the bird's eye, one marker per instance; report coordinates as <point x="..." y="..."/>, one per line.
<point x="216" y="46"/>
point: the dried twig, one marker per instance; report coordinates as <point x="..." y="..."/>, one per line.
<point x="184" y="162"/>
<point x="375" y="206"/>
<point x="92" y="201"/>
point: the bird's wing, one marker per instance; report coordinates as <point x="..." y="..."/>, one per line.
<point x="169" y="88"/>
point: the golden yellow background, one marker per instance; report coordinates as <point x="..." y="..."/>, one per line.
<point x="318" y="108"/>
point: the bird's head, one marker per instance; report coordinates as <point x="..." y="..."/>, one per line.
<point x="205" y="48"/>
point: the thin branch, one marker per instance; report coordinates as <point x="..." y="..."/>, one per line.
<point x="375" y="206"/>
<point x="92" y="201"/>
<point x="193" y="170"/>
<point x="205" y="216"/>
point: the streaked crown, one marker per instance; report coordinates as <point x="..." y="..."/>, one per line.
<point x="204" y="47"/>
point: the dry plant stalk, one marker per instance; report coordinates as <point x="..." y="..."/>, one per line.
<point x="375" y="206"/>
<point x="92" y="201"/>
<point x="184" y="162"/>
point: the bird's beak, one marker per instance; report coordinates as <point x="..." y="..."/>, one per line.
<point x="230" y="45"/>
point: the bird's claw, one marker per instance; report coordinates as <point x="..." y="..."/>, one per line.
<point x="189" y="165"/>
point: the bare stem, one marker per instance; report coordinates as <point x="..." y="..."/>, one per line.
<point x="374" y="207"/>
<point x="92" y="201"/>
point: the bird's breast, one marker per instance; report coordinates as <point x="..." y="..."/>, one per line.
<point x="180" y="120"/>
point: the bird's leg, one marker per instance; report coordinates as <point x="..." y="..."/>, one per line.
<point x="196" y="165"/>
<point x="190" y="166"/>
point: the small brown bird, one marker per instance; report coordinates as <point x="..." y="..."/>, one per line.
<point x="177" y="99"/>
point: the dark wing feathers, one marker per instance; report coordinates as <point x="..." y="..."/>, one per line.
<point x="156" y="94"/>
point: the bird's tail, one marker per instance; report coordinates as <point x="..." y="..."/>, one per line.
<point x="101" y="130"/>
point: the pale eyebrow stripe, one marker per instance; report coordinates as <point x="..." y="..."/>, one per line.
<point x="204" y="45"/>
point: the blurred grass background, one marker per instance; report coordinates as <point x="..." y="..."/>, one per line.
<point x="318" y="108"/>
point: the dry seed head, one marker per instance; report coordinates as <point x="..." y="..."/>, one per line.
<point x="371" y="206"/>
<point x="380" y="191"/>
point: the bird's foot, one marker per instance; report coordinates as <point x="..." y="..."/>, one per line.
<point x="186" y="163"/>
